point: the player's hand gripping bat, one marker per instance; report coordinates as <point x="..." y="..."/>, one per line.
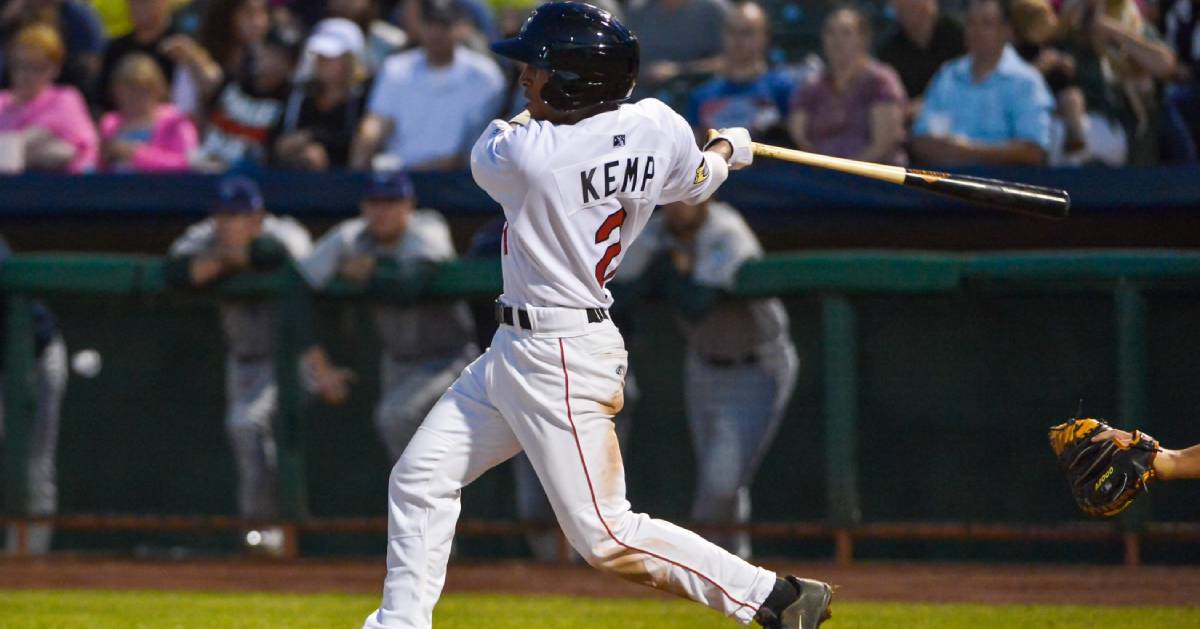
<point x="1002" y="195"/>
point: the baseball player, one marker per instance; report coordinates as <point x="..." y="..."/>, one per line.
<point x="241" y="236"/>
<point x="424" y="346"/>
<point x="577" y="176"/>
<point x="741" y="364"/>
<point x="49" y="386"/>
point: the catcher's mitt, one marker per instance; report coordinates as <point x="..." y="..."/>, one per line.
<point x="1104" y="476"/>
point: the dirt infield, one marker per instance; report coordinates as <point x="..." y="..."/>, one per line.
<point x="865" y="581"/>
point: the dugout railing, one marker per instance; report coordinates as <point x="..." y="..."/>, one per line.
<point x="834" y="279"/>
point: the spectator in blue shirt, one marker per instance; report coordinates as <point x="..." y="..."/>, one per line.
<point x="989" y="107"/>
<point x="746" y="93"/>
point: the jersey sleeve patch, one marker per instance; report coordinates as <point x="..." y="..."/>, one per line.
<point x="701" y="172"/>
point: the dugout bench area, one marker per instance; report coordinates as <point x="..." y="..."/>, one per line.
<point x="851" y="298"/>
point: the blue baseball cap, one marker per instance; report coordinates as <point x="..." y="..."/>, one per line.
<point x="393" y="185"/>
<point x="237" y="194"/>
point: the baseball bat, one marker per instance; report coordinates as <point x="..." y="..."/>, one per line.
<point x="1002" y="195"/>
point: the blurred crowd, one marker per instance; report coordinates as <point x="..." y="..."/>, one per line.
<point x="212" y="85"/>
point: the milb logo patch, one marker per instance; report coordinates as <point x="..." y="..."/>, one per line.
<point x="701" y="172"/>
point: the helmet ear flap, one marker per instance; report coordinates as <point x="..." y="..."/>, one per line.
<point x="557" y="91"/>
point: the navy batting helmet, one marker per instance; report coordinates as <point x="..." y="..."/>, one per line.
<point x="593" y="58"/>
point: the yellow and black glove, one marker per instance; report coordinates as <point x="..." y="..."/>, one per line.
<point x="1105" y="476"/>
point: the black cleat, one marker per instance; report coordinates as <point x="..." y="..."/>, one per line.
<point x="807" y="611"/>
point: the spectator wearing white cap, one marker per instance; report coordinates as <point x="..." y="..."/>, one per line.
<point x="326" y="105"/>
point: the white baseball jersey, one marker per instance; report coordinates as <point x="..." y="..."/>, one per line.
<point x="576" y="196"/>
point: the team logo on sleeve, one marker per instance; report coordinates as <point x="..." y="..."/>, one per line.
<point x="701" y="172"/>
<point x="619" y="140"/>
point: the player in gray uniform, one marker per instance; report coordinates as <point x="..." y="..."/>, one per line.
<point x="241" y="236"/>
<point x="741" y="365"/>
<point x="426" y="345"/>
<point x="49" y="386"/>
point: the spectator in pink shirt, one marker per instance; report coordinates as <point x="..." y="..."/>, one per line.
<point x="854" y="107"/>
<point x="144" y="134"/>
<point x="48" y="123"/>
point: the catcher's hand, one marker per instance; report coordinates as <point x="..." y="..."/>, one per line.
<point x="1105" y="474"/>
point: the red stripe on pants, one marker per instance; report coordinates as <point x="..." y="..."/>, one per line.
<point x="596" y="505"/>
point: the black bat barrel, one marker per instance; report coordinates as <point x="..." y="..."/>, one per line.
<point x="1002" y="195"/>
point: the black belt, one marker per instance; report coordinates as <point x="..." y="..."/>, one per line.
<point x="518" y="317"/>
<point x="718" y="361"/>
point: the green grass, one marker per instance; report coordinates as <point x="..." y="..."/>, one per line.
<point x="90" y="608"/>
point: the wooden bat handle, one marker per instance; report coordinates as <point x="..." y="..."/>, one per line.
<point x="892" y="174"/>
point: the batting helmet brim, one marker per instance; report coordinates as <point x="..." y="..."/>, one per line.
<point x="518" y="49"/>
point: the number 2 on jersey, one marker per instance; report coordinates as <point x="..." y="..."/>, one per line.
<point x="610" y="224"/>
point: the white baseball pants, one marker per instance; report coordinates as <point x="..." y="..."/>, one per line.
<point x="551" y="392"/>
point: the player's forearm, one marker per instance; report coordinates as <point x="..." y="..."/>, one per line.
<point x="1176" y="464"/>
<point x="208" y="268"/>
<point x="323" y="377"/>
<point x="722" y="148"/>
<point x="205" y="269"/>
<point x="316" y="359"/>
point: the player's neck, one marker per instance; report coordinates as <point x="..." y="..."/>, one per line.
<point x="578" y="115"/>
